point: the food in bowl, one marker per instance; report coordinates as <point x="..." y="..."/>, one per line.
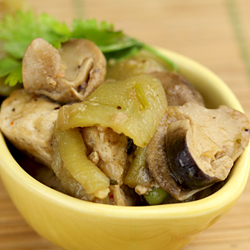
<point x="117" y="126"/>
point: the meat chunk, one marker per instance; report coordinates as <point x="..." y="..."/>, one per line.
<point x="121" y="196"/>
<point x="107" y="149"/>
<point x="27" y="121"/>
<point x="195" y="147"/>
<point x="65" y="75"/>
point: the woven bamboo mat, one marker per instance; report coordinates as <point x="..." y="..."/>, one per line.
<point x="213" y="32"/>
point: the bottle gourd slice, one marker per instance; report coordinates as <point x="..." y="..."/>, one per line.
<point x="73" y="154"/>
<point x="133" y="107"/>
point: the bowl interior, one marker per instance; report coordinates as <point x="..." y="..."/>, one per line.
<point x="213" y="89"/>
<point x="212" y="207"/>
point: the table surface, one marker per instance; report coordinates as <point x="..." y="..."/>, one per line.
<point x="213" y="32"/>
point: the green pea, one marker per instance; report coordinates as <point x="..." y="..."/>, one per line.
<point x="156" y="196"/>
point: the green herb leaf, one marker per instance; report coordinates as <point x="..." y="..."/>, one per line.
<point x="7" y="65"/>
<point x="102" y="34"/>
<point x="105" y="37"/>
<point x="53" y="31"/>
<point x="17" y="32"/>
<point x="15" y="76"/>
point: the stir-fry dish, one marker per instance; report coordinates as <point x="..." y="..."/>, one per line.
<point x="108" y="119"/>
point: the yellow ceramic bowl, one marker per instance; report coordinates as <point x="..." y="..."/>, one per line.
<point x="76" y="225"/>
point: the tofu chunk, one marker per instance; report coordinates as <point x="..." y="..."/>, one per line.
<point x="27" y="122"/>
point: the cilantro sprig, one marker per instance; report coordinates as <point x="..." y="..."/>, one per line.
<point x="18" y="31"/>
<point x="113" y="44"/>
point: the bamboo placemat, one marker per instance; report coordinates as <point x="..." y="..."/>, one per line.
<point x="213" y="32"/>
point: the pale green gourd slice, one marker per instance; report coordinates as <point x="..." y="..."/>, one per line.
<point x="120" y="106"/>
<point x="73" y="155"/>
<point x="138" y="173"/>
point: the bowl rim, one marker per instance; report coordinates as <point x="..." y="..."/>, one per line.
<point x="8" y="166"/>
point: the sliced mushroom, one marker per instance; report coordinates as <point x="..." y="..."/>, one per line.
<point x="195" y="147"/>
<point x="157" y="163"/>
<point x="178" y="90"/>
<point x="65" y="75"/>
<point x="186" y="146"/>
